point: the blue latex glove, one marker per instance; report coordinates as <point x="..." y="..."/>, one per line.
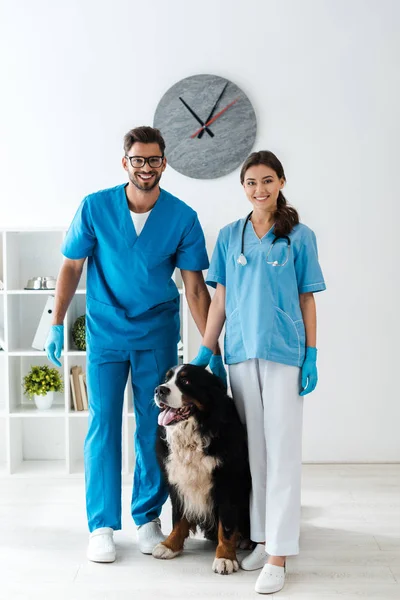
<point x="309" y="374"/>
<point x="54" y="344"/>
<point x="203" y="357"/>
<point x="217" y="367"/>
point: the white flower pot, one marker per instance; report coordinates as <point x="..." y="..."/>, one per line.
<point x="44" y="402"/>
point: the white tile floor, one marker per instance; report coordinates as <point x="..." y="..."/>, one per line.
<point x="350" y="545"/>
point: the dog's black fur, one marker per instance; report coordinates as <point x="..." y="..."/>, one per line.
<point x="221" y="436"/>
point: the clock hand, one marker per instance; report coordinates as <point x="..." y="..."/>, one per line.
<point x="213" y="109"/>
<point x="221" y="112"/>
<point x="210" y="133"/>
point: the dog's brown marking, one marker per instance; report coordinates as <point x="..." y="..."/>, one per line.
<point x="168" y="375"/>
<point x="178" y="535"/>
<point x="226" y="546"/>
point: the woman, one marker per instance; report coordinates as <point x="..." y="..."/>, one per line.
<point x="265" y="269"/>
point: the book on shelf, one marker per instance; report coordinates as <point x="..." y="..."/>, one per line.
<point x="82" y="385"/>
<point x="73" y="396"/>
<point x="86" y="389"/>
<point x="79" y="393"/>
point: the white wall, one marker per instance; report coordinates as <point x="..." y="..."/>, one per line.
<point x="323" y="76"/>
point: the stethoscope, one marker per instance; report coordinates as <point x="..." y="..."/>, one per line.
<point x="242" y="260"/>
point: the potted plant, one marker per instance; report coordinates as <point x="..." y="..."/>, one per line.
<point x="40" y="384"/>
<point x="79" y="332"/>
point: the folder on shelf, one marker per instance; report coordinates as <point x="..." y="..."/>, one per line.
<point x="75" y="378"/>
<point x="2" y="339"/>
<point x="44" y="325"/>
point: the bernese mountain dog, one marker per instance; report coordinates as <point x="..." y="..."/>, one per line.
<point x="202" y="450"/>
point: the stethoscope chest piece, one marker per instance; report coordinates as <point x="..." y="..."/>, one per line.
<point x="242" y="260"/>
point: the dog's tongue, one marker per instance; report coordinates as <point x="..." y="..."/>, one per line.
<point x="166" y="416"/>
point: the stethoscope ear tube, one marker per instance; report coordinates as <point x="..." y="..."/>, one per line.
<point x="281" y="237"/>
<point x="242" y="260"/>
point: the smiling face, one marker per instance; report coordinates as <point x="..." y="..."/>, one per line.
<point x="262" y="186"/>
<point x="185" y="392"/>
<point x="171" y="397"/>
<point x="147" y="177"/>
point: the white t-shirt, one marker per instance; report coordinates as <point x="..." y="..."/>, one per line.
<point x="139" y="219"/>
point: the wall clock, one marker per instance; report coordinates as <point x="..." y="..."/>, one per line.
<point x="208" y="124"/>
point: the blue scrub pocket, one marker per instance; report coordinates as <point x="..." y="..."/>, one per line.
<point x="288" y="339"/>
<point x="107" y="325"/>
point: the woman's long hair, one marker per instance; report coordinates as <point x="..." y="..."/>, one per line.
<point x="285" y="216"/>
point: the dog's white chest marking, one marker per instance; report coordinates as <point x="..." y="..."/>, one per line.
<point x="190" y="469"/>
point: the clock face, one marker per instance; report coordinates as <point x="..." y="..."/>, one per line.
<point x="208" y="124"/>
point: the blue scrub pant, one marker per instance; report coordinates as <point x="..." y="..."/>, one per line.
<point x="107" y="374"/>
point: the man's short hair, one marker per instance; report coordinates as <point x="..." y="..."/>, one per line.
<point x="144" y="135"/>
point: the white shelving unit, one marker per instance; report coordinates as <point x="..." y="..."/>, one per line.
<point x="36" y="442"/>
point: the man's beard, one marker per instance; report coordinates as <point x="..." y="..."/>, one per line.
<point x="142" y="186"/>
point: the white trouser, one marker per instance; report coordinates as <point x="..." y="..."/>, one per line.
<point x="266" y="395"/>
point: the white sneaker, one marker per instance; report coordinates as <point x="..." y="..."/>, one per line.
<point x="271" y="579"/>
<point x="101" y="546"/>
<point x="149" y="535"/>
<point x="255" y="560"/>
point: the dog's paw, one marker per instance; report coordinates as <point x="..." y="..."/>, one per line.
<point x="161" y="551"/>
<point x="225" y="566"/>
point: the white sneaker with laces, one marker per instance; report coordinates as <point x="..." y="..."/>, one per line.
<point x="271" y="579"/>
<point x="101" y="546"/>
<point x="255" y="560"/>
<point x="149" y="535"/>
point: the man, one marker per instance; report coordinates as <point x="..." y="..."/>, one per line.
<point x="134" y="235"/>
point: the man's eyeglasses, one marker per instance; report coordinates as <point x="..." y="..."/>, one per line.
<point x="139" y="161"/>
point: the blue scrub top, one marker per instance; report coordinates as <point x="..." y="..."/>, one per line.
<point x="263" y="315"/>
<point x="132" y="302"/>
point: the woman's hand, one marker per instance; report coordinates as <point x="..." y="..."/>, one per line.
<point x="309" y="373"/>
<point x="205" y="358"/>
<point x="218" y="369"/>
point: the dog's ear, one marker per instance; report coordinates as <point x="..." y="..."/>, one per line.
<point x="215" y="381"/>
<point x="219" y="384"/>
<point x="221" y="402"/>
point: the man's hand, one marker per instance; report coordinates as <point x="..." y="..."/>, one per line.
<point x="203" y="357"/>
<point x="54" y="344"/>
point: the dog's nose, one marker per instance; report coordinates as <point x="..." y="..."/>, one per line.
<point x="162" y="390"/>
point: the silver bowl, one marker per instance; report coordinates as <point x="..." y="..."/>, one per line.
<point x="41" y="283"/>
